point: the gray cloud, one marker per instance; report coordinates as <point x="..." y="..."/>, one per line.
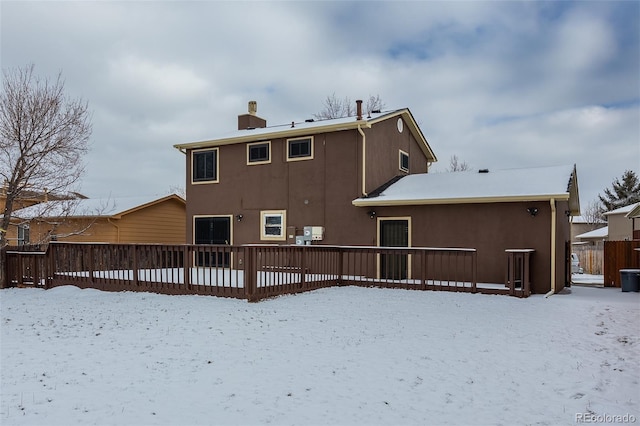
<point x="499" y="84"/>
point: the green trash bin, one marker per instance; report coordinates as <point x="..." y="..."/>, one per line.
<point x="630" y="279"/>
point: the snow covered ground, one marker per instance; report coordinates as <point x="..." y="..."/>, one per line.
<point x="587" y="279"/>
<point x="336" y="356"/>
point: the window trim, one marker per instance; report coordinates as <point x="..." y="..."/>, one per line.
<point x="283" y="226"/>
<point x="379" y="221"/>
<point x="193" y="157"/>
<point x="255" y="163"/>
<point x="201" y="216"/>
<point x="402" y="153"/>
<point x="307" y="157"/>
<point x="23" y="234"/>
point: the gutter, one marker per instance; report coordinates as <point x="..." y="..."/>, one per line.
<point x="364" y="162"/>
<point x="372" y="202"/>
<point x="552" y="201"/>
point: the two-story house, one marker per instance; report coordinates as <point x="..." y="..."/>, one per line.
<point x="265" y="184"/>
<point x="364" y="180"/>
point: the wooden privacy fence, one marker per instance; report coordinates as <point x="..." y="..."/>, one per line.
<point x="619" y="255"/>
<point x="251" y="272"/>
<point x="591" y="258"/>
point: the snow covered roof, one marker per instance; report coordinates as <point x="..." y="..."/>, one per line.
<point x="635" y="211"/>
<point x="311" y="127"/>
<point x="623" y="210"/>
<point x="581" y="220"/>
<point x="91" y="207"/>
<point x="596" y="233"/>
<point x="542" y="183"/>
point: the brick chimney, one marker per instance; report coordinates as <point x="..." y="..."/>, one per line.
<point x="359" y="109"/>
<point x="251" y="120"/>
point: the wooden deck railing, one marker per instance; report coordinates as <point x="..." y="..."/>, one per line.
<point x="252" y="272"/>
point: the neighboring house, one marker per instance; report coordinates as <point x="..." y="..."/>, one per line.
<point x="623" y="222"/>
<point x="29" y="197"/>
<point x="117" y="220"/>
<point x="580" y="225"/>
<point x="595" y="236"/>
<point x="364" y="180"/>
<point x="634" y="215"/>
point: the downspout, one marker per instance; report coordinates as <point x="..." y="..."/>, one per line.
<point x="364" y="162"/>
<point x="552" y="201"/>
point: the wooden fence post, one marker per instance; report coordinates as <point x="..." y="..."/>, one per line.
<point x="135" y="265"/>
<point x="185" y="267"/>
<point x="341" y="273"/>
<point x="474" y="271"/>
<point x="91" y="266"/>
<point x="3" y="268"/>
<point x="250" y="274"/>
<point x="303" y="272"/>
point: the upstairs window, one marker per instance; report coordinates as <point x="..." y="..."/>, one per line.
<point x="273" y="225"/>
<point x="300" y="149"/>
<point x="259" y="153"/>
<point x="404" y="161"/>
<point x="205" y="166"/>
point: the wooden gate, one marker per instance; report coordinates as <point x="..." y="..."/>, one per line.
<point x="619" y="255"/>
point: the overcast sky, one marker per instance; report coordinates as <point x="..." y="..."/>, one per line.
<point x="499" y="84"/>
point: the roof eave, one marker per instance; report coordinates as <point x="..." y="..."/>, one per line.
<point x="467" y="200"/>
<point x="118" y="215"/>
<point x="288" y="133"/>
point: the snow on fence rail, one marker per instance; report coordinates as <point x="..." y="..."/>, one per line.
<point x="250" y="272"/>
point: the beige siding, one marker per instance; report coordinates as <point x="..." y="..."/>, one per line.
<point x="163" y="222"/>
<point x="160" y="223"/>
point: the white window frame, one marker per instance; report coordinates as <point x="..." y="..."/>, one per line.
<point x="264" y="214"/>
<point x="402" y="153"/>
<point x="254" y="163"/>
<point x="193" y="159"/>
<point x="307" y="157"/>
<point x="23" y="234"/>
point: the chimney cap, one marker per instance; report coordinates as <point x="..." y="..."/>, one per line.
<point x="253" y="107"/>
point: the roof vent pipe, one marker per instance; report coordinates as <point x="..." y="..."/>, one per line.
<point x="359" y="109"/>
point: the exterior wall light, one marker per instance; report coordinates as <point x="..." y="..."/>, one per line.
<point x="532" y="211"/>
<point x="239" y="217"/>
<point x="372" y="214"/>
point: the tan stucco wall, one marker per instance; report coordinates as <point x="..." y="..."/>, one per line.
<point x="620" y="227"/>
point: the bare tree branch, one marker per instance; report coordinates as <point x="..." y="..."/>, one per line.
<point x="456" y="166"/>
<point x="43" y="137"/>
<point x="593" y="214"/>
<point x="338" y="108"/>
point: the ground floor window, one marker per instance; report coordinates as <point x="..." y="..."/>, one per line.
<point x="23" y="234"/>
<point x="212" y="230"/>
<point x="273" y="225"/>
